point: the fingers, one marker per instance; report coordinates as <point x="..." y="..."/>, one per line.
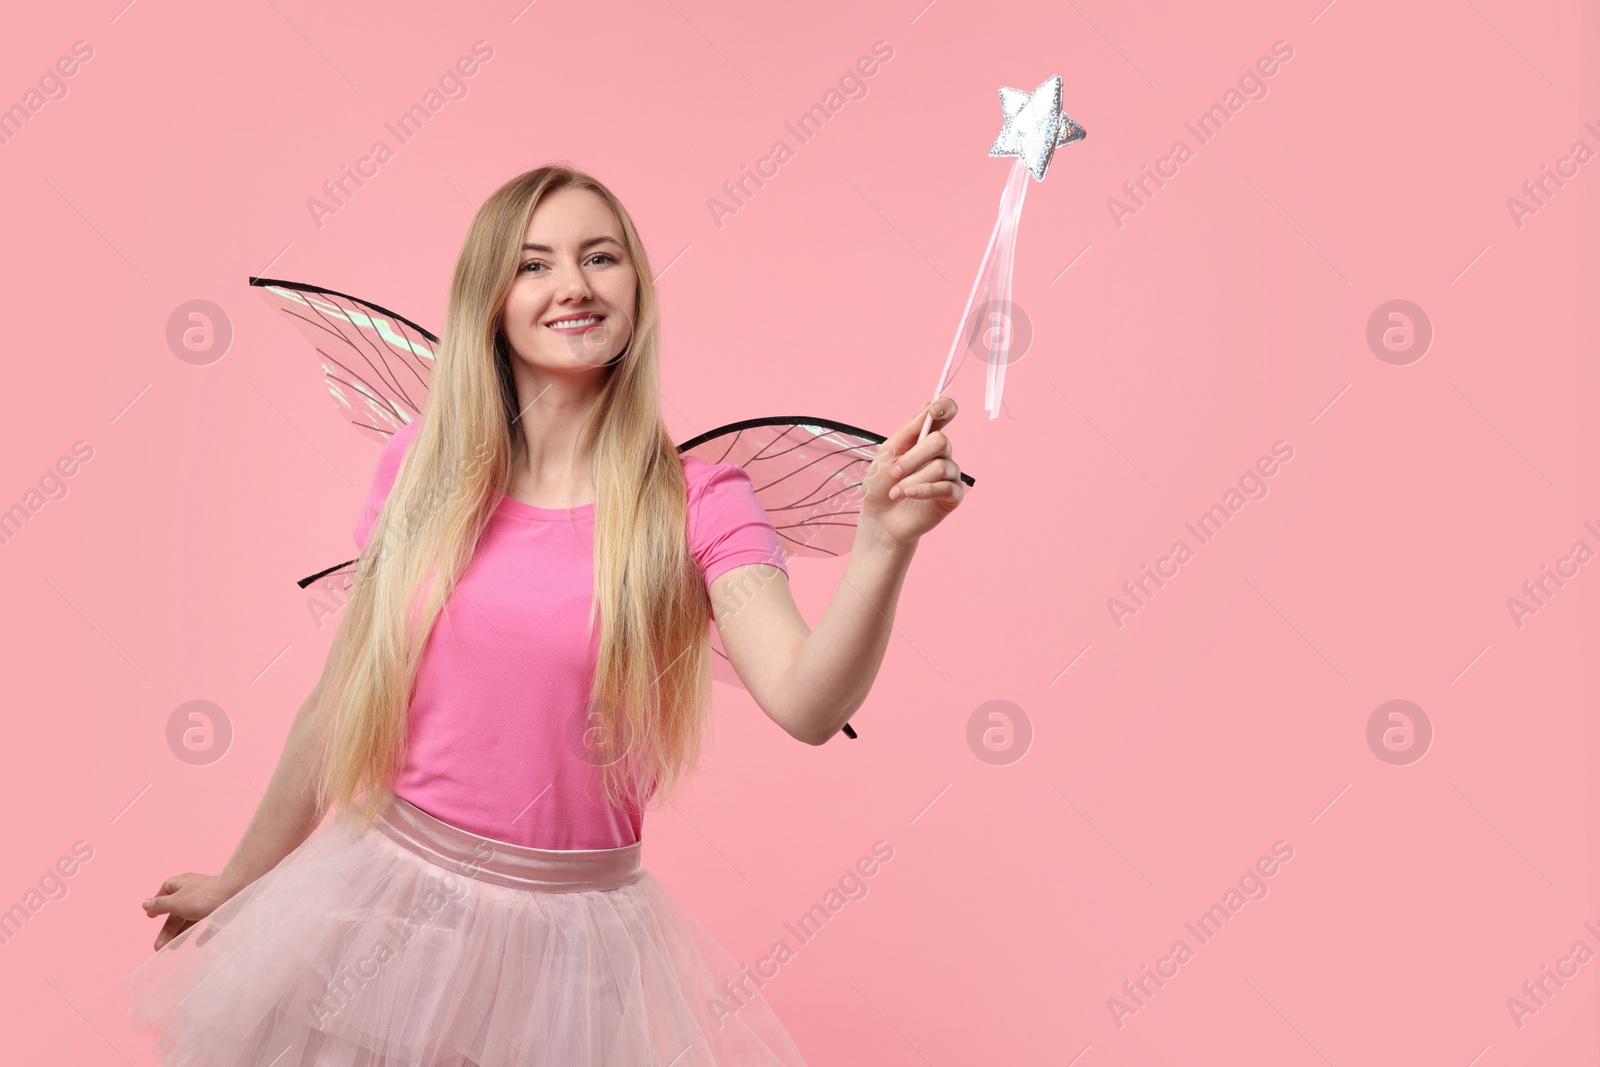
<point x="167" y="902"/>
<point x="933" y="447"/>
<point x="175" y="925"/>
<point x="944" y="410"/>
<point x="936" y="478"/>
<point x="932" y="491"/>
<point x="161" y="903"/>
<point x="938" y="469"/>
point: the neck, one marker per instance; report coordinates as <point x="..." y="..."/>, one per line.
<point x="548" y="464"/>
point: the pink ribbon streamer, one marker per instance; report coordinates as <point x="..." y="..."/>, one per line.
<point x="994" y="282"/>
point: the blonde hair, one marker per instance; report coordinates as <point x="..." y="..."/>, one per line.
<point x="643" y="728"/>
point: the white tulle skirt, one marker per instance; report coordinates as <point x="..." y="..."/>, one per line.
<point x="418" y="943"/>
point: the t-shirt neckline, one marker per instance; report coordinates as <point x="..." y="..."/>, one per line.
<point x="514" y="506"/>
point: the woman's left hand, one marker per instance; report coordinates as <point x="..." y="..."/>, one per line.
<point x="912" y="485"/>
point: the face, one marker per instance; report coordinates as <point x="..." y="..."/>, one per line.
<point x="570" y="307"/>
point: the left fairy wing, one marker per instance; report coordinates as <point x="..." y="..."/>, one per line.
<point x="807" y="473"/>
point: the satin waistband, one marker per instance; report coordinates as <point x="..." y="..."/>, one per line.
<point x="503" y="863"/>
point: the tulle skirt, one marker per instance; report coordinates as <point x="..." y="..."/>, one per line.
<point x="418" y="943"/>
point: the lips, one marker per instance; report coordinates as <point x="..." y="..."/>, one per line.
<point x="576" y="323"/>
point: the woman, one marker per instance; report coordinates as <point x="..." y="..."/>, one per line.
<point x="522" y="665"/>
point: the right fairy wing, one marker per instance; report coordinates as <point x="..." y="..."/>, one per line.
<point x="377" y="364"/>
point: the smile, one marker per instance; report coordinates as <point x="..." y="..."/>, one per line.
<point x="588" y="322"/>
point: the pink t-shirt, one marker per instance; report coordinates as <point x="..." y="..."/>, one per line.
<point x="497" y="714"/>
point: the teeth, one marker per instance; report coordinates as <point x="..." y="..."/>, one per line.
<point x="567" y="323"/>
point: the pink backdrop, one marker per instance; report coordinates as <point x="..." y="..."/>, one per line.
<point x="1146" y="760"/>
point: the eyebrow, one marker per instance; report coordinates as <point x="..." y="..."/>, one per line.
<point x="585" y="243"/>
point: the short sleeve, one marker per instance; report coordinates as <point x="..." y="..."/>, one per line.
<point x="728" y="527"/>
<point x="383" y="477"/>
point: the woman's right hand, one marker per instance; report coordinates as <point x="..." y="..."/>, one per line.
<point x="185" y="899"/>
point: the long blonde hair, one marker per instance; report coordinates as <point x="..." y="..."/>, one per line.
<point x="643" y="727"/>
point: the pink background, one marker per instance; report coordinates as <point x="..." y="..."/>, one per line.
<point x="1228" y="313"/>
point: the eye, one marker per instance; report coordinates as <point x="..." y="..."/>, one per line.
<point x="606" y="256"/>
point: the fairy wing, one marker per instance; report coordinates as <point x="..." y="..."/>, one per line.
<point x="377" y="364"/>
<point x="807" y="473"/>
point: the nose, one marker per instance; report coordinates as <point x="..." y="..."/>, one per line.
<point x="572" y="284"/>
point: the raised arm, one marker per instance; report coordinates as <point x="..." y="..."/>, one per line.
<point x="811" y="681"/>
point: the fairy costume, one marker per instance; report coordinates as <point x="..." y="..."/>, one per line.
<point x="498" y="912"/>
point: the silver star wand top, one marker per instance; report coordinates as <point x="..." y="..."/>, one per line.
<point x="1035" y="126"/>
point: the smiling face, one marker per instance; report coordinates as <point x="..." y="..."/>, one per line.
<point x="571" y="304"/>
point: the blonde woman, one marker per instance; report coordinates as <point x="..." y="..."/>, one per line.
<point x="522" y="665"/>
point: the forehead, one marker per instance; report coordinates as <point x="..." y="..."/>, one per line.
<point x="569" y="215"/>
